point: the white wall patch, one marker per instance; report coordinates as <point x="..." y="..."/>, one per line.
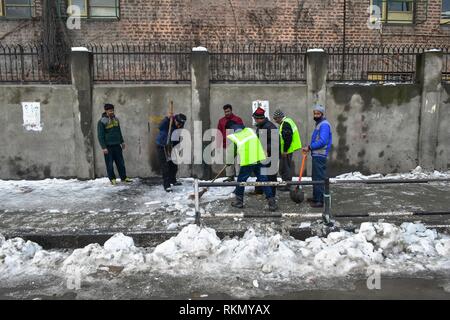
<point x="32" y="116"/>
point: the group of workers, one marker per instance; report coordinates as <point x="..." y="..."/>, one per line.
<point x="255" y="157"/>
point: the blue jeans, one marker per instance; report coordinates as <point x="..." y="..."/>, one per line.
<point x="115" y="155"/>
<point x="245" y="172"/>
<point x="319" y="172"/>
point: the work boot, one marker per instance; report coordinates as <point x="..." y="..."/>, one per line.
<point x="127" y="180"/>
<point x="272" y="203"/>
<point x="238" y="202"/>
<point x="229" y="179"/>
<point x="113" y="182"/>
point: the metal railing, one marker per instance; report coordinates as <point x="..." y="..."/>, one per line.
<point x="373" y="64"/>
<point x="446" y="65"/>
<point x="233" y="63"/>
<point x="141" y="63"/>
<point x="34" y="63"/>
<point x="327" y="216"/>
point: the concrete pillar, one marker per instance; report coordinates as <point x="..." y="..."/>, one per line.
<point x="200" y="115"/>
<point x="316" y="81"/>
<point x="429" y="76"/>
<point x="81" y="68"/>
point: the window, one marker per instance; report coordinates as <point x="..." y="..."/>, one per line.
<point x="97" y="8"/>
<point x="445" y="13"/>
<point x="395" y="11"/>
<point x="16" y="8"/>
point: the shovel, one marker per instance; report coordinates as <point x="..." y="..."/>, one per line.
<point x="192" y="196"/>
<point x="168" y="147"/>
<point x="297" y="195"/>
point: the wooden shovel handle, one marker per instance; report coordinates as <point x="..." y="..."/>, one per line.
<point x="302" y="167"/>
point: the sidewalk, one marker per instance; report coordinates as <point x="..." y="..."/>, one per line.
<point x="78" y="212"/>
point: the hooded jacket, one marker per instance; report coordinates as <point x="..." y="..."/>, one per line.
<point x="108" y="131"/>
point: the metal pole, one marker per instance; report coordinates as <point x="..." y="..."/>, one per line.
<point x="327" y="202"/>
<point x="197" y="203"/>
<point x="343" y="39"/>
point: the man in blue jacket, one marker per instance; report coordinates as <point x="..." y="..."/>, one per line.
<point x="164" y="147"/>
<point x="320" y="146"/>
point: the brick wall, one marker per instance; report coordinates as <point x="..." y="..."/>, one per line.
<point x="312" y="22"/>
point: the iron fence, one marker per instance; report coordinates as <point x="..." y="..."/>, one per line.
<point x="141" y="63"/>
<point x="257" y="63"/>
<point x="34" y="63"/>
<point x="377" y="64"/>
<point x="446" y="65"/>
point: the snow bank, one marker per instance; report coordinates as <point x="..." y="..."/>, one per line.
<point x="417" y="173"/>
<point x="410" y="247"/>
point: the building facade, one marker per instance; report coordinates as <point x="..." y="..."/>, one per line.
<point x="199" y="22"/>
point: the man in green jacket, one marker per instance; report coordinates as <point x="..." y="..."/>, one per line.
<point x="112" y="143"/>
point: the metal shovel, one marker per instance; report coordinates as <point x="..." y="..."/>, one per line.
<point x="200" y="194"/>
<point x="297" y="195"/>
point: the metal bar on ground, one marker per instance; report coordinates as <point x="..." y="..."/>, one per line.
<point x="197" y="203"/>
<point x="327" y="202"/>
<point x="259" y="184"/>
<point x="430" y="213"/>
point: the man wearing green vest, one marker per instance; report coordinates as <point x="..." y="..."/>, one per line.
<point x="289" y="143"/>
<point x="251" y="153"/>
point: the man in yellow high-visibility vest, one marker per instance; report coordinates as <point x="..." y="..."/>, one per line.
<point x="251" y="153"/>
<point x="289" y="143"/>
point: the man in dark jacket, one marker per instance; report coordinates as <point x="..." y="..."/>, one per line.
<point x="289" y="143"/>
<point x="112" y="143"/>
<point x="264" y="124"/>
<point x="164" y="143"/>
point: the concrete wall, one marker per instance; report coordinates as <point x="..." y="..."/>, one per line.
<point x="37" y="155"/>
<point x="140" y="109"/>
<point x="375" y="128"/>
<point x="443" y="147"/>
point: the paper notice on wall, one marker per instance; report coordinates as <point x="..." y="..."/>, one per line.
<point x="263" y="104"/>
<point x="32" y="116"/>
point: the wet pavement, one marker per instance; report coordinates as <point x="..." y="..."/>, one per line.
<point x="154" y="286"/>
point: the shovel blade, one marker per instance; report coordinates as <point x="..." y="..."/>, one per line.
<point x="297" y="195"/>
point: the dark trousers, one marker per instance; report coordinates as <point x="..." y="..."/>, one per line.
<point x="115" y="155"/>
<point x="245" y="172"/>
<point x="271" y="177"/>
<point x="319" y="172"/>
<point x="168" y="168"/>
<point x="286" y="167"/>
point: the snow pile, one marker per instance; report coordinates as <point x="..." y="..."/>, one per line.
<point x="410" y="248"/>
<point x="14" y="253"/>
<point x="118" y="252"/>
<point x="417" y="173"/>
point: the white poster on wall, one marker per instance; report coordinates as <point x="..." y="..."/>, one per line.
<point x="32" y="116"/>
<point x="263" y="104"/>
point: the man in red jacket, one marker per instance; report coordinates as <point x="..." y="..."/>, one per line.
<point x="228" y="152"/>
